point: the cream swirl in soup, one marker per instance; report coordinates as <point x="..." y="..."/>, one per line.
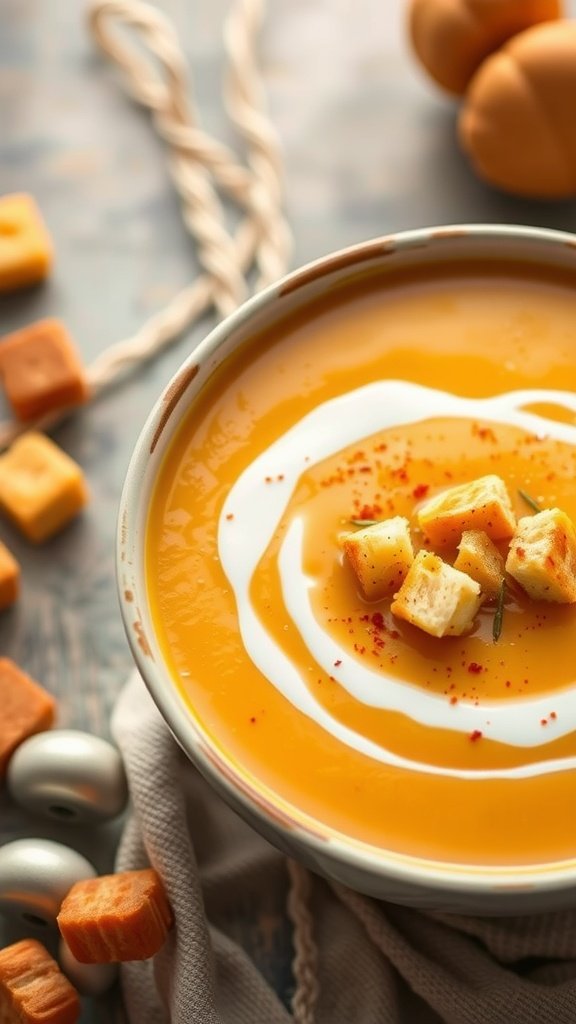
<point x="252" y="514"/>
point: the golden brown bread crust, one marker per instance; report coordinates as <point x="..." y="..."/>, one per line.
<point x="453" y="37"/>
<point x="482" y="504"/>
<point x="380" y="556"/>
<point x="479" y="557"/>
<point x="517" y="125"/>
<point x="542" y="556"/>
<point x="436" y="598"/>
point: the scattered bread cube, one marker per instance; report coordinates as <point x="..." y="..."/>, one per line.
<point x="9" y="578"/>
<point x="381" y="556"/>
<point x="25" y="247"/>
<point x="41" y="488"/>
<point x="33" y="989"/>
<point x="440" y="600"/>
<point x="483" y="504"/>
<point x="41" y="370"/>
<point x="479" y="558"/>
<point x="116" y="917"/>
<point x="26" y="709"/>
<point x="542" y="556"/>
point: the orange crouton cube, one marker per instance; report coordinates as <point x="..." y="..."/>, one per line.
<point x="436" y="598"/>
<point x="33" y="989"/>
<point x="380" y="555"/>
<point x="542" y="556"/>
<point x="116" y="917"/>
<point x="479" y="558"/>
<point x="26" y="709"/>
<point x="41" y="488"/>
<point x="40" y="370"/>
<point x="482" y="504"/>
<point x="9" y="578"/>
<point x="25" y="247"/>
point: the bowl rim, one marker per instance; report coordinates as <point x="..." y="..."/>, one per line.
<point x="300" y="829"/>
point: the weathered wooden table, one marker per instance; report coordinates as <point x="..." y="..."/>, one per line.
<point x="369" y="148"/>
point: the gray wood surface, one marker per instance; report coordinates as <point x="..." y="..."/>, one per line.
<point x="369" y="148"/>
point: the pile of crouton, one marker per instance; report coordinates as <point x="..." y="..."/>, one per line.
<point x="476" y="518"/>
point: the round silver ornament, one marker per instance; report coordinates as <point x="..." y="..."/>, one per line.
<point x="68" y="776"/>
<point x="35" y="876"/>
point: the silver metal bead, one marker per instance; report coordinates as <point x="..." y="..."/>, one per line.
<point x="35" y="876"/>
<point x="68" y="776"/>
<point x="89" y="979"/>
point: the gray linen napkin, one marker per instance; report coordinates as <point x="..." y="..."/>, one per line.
<point x="369" y="962"/>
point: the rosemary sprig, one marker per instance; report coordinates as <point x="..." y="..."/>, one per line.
<point x="531" y="502"/>
<point x="499" y="613"/>
<point x="363" y="522"/>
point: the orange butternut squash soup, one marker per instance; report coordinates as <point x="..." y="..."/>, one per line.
<point x="441" y="724"/>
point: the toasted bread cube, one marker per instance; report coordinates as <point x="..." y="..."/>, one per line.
<point x="479" y="558"/>
<point x="41" y="370"/>
<point x="25" y="247"/>
<point x="542" y="556"/>
<point x="483" y="504"/>
<point x="116" y="917"/>
<point x="9" y="578"/>
<point x="41" y="488"/>
<point x="26" y="709"/>
<point x="381" y="556"/>
<point x="33" y="989"/>
<point x="440" y="600"/>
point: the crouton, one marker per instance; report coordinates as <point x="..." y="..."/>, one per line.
<point x="479" y="558"/>
<point x="381" y="556"/>
<point x="482" y="504"/>
<point x="25" y="247"/>
<point x="26" y="709"/>
<point x="542" y="556"/>
<point x="116" y="917"/>
<point x="9" y="578"/>
<point x="33" y="990"/>
<point x="41" y="370"/>
<point x="41" y="488"/>
<point x="440" y="600"/>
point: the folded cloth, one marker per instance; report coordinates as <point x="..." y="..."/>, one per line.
<point x="358" y="960"/>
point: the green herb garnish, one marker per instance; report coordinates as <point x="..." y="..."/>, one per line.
<point x="499" y="613"/>
<point x="531" y="502"/>
<point x="364" y="522"/>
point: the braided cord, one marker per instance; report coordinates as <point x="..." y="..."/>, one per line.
<point x="201" y="169"/>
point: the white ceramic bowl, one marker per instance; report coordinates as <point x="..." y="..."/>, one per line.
<point x="381" y="873"/>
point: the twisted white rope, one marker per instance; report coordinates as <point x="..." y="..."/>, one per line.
<point x="200" y="166"/>
<point x="245" y="104"/>
<point x="305" y="962"/>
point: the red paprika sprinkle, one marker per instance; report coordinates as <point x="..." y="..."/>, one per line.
<point x="421" y="491"/>
<point x="230" y="516"/>
<point x="474" y="668"/>
<point x="336" y="663"/>
<point x="370" y="512"/>
<point x="476" y="735"/>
